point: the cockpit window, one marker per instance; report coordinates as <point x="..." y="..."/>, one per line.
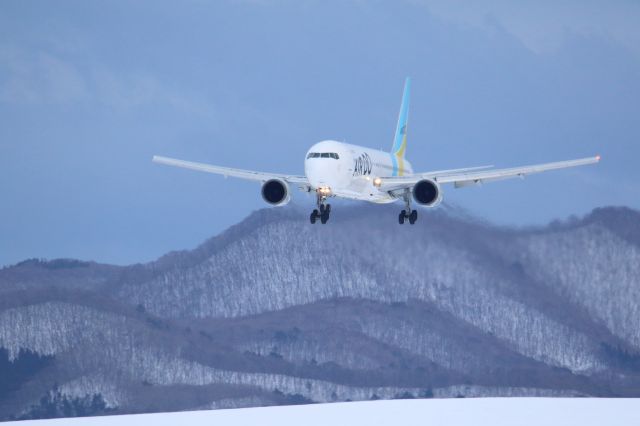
<point x="323" y="155"/>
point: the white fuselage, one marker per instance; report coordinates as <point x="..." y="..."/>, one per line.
<point x="349" y="170"/>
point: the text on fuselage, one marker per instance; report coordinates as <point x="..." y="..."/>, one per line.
<point x="363" y="165"/>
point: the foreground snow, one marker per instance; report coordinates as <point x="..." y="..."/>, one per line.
<point x="480" y="411"/>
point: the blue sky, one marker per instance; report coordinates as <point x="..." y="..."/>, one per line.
<point x="89" y="91"/>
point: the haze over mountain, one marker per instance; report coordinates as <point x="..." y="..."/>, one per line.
<point x="276" y="311"/>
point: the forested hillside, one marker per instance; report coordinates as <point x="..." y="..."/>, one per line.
<point x="276" y="311"/>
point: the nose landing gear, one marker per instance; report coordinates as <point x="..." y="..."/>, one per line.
<point x="322" y="212"/>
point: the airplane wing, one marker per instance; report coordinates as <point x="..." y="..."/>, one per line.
<point x="472" y="176"/>
<point x="300" y="181"/>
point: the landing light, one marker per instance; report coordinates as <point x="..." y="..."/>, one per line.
<point x="377" y="182"/>
<point x="325" y="190"/>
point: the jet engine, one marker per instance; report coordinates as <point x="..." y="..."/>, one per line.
<point x="427" y="192"/>
<point x="276" y="192"/>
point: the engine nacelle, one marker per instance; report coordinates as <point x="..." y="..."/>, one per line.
<point x="276" y="192"/>
<point x="427" y="193"/>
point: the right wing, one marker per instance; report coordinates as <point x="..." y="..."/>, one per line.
<point x="300" y="181"/>
<point x="479" y="177"/>
<point x="468" y="177"/>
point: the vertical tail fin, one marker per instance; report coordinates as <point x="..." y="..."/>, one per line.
<point x="400" y="139"/>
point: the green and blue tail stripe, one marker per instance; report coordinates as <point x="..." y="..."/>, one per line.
<point x="399" y="147"/>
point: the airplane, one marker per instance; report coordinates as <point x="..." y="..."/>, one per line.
<point x="337" y="169"/>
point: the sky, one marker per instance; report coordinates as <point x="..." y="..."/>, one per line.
<point x="90" y="91"/>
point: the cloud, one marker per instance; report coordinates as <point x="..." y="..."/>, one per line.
<point x="137" y="89"/>
<point x="544" y="26"/>
<point x="47" y="77"/>
<point x="38" y="77"/>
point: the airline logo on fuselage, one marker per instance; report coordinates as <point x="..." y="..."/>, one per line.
<point x="363" y="165"/>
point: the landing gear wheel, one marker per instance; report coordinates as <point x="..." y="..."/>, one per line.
<point x="401" y="217"/>
<point x="314" y="216"/>
<point x="413" y="217"/>
<point x="323" y="214"/>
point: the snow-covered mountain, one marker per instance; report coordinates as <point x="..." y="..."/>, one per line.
<point x="276" y="311"/>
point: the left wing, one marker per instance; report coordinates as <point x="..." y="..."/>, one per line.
<point x="468" y="177"/>
<point x="300" y="181"/>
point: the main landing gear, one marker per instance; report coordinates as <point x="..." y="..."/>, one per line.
<point x="322" y="212"/>
<point x="411" y="215"/>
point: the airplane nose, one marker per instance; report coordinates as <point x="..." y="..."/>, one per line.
<point x="322" y="173"/>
